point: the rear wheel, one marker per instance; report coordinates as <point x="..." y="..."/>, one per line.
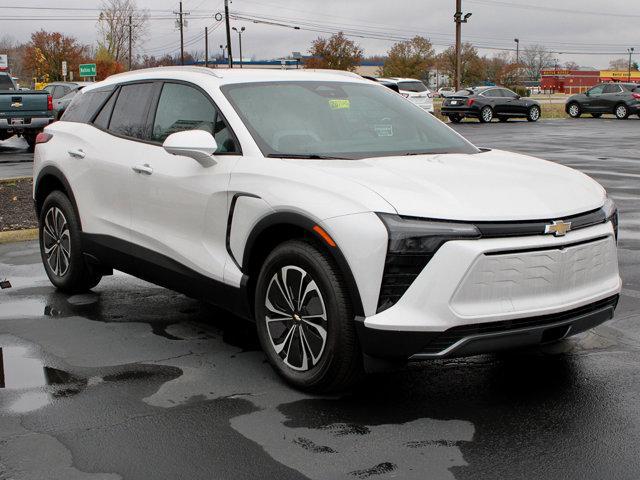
<point x="60" y="246"/>
<point x="455" y="118"/>
<point x="486" y="114"/>
<point x="621" y="111"/>
<point x="305" y="320"/>
<point x="533" y="115"/>
<point x="574" y="110"/>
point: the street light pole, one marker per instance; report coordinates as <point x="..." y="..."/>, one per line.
<point x="459" y="19"/>
<point x="517" y="40"/>
<point x="630" y="50"/>
<point x="240" y="41"/>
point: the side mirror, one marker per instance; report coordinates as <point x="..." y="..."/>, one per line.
<point x="587" y="93"/>
<point x="196" y="144"/>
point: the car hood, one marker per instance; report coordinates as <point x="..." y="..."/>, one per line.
<point x="488" y="186"/>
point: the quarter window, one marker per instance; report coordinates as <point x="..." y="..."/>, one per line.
<point x="181" y="108"/>
<point x="129" y="117"/>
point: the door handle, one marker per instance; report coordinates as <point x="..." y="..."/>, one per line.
<point x="144" y="169"/>
<point x="79" y="153"/>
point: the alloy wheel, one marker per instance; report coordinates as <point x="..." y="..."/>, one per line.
<point x="621" y="111"/>
<point x="487" y="114"/>
<point x="57" y="241"/>
<point x="296" y="318"/>
<point x="574" y="110"/>
<point x="534" y="113"/>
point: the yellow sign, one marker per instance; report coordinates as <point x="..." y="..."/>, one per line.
<point x="621" y="74"/>
<point x="337" y="104"/>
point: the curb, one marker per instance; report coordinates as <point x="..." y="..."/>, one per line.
<point x="18" y="235"/>
<point x="14" y="179"/>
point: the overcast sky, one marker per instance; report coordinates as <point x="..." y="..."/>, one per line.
<point x="494" y="23"/>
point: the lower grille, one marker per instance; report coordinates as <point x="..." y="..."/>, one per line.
<point x="453" y="335"/>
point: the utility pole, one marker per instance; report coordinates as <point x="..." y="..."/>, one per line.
<point x="206" y="47"/>
<point x="630" y="50"/>
<point x="517" y="40"/>
<point x="459" y="20"/>
<point x="226" y="19"/>
<point x="240" y="41"/>
<point x="130" y="40"/>
<point x="181" y="14"/>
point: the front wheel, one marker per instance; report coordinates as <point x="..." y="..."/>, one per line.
<point x="486" y="114"/>
<point x="574" y="110"/>
<point x="305" y="319"/>
<point x="60" y="246"/>
<point x="622" y="112"/>
<point x="533" y="115"/>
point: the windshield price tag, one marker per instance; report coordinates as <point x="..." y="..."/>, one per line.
<point x="384" y="130"/>
<point x="339" y="104"/>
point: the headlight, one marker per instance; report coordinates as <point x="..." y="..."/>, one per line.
<point x="611" y="214"/>
<point x="412" y="243"/>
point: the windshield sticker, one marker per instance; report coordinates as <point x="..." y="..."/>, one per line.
<point x="339" y="104"/>
<point x="384" y="130"/>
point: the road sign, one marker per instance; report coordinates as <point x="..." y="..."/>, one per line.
<point x="64" y="68"/>
<point x="4" y="62"/>
<point x="87" y="69"/>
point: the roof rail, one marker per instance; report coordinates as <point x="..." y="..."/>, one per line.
<point x="178" y="68"/>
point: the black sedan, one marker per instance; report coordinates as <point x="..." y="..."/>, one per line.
<point x="620" y="99"/>
<point x="487" y="103"/>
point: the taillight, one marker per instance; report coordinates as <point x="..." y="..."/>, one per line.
<point x="471" y="101"/>
<point x="636" y="96"/>
<point x="405" y="95"/>
<point x="43" y="137"/>
<point x="49" y="102"/>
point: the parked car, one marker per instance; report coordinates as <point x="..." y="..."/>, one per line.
<point x="487" y="103"/>
<point x="23" y="112"/>
<point x="344" y="222"/>
<point x="392" y="85"/>
<point x="414" y="90"/>
<point x="63" y="93"/>
<point x="620" y="99"/>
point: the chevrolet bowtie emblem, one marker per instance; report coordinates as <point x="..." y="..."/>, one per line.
<point x="16" y="104"/>
<point x="558" y="228"/>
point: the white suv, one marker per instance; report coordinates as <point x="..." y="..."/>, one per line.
<point x="414" y="90"/>
<point x="346" y="223"/>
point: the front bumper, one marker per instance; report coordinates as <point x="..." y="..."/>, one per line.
<point x="473" y="283"/>
<point x="487" y="337"/>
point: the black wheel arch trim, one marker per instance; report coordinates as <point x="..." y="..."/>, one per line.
<point x="55" y="172"/>
<point x="305" y="223"/>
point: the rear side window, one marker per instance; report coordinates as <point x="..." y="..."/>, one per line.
<point x="181" y="108"/>
<point x="129" y="117"/>
<point x="6" y="83"/>
<point x="84" y="106"/>
<point x="611" y="89"/>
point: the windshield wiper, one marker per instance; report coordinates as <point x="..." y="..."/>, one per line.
<point x="308" y="156"/>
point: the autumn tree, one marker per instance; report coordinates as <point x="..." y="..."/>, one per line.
<point x="46" y="51"/>
<point x="106" y="65"/>
<point x="535" y="58"/>
<point x="471" y="65"/>
<point x="411" y="58"/>
<point x="336" y="52"/>
<point x="113" y="27"/>
<point x="15" y="52"/>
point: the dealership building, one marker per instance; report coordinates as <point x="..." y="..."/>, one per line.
<point x="576" y="81"/>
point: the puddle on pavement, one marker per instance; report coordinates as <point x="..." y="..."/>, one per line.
<point x="18" y="369"/>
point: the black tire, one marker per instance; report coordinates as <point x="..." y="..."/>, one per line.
<point x="503" y="119"/>
<point x="486" y="114"/>
<point x="31" y="140"/>
<point x="70" y="273"/>
<point x="596" y="115"/>
<point x="534" y="113"/>
<point x="574" y="110"/>
<point x="338" y="364"/>
<point x="621" y="111"/>
<point x="455" y="118"/>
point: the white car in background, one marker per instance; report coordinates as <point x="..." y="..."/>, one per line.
<point x="414" y="90"/>
<point x="345" y="222"/>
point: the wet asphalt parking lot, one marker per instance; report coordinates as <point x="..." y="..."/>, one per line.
<point x="133" y="381"/>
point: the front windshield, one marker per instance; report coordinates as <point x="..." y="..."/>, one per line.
<point x="338" y="120"/>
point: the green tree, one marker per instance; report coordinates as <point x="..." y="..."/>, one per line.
<point x="336" y="52"/>
<point x="411" y="58"/>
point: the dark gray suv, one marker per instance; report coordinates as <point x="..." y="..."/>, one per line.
<point x="619" y="99"/>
